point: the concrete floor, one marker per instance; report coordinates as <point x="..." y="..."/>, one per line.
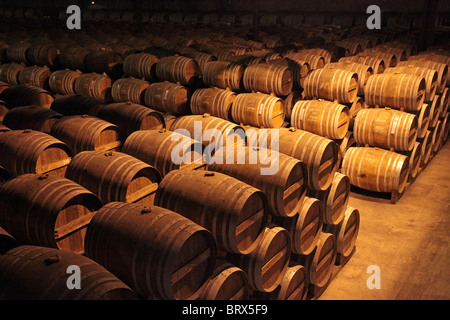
<point x="409" y="241"/>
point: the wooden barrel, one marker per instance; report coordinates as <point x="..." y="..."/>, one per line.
<point x="174" y="255"/>
<point x="431" y="56"/>
<point x="42" y="54"/>
<point x="114" y="176"/>
<point x="325" y="118"/>
<point x="414" y="156"/>
<point x="293" y="286"/>
<point x="445" y="101"/>
<point x="353" y="110"/>
<point x="305" y="226"/>
<point x="423" y="120"/>
<point x="167" y="97"/>
<point x="435" y="137"/>
<point x="17" y="51"/>
<point x="376" y="169"/>
<point x="399" y="52"/>
<point x="440" y="68"/>
<point x="27" y="151"/>
<point x="434" y="111"/>
<point x="377" y="65"/>
<point x="445" y="129"/>
<point x="320" y="262"/>
<point x="202" y="58"/>
<point x="331" y="84"/>
<point x="35" y="76"/>
<point x="129" y="89"/>
<point x="178" y="69"/>
<point x="425" y="150"/>
<point x="346" y="232"/>
<point x="38" y="273"/>
<point x="130" y="117"/>
<point x="74" y="58"/>
<point x="26" y="95"/>
<point x="63" y="81"/>
<point x="298" y="68"/>
<point x="352" y="46"/>
<point x="70" y="105"/>
<point x="156" y="148"/>
<point x="104" y="61"/>
<point x="334" y="199"/>
<point x="363" y="72"/>
<point x="214" y="101"/>
<point x="430" y="76"/>
<point x="85" y="133"/>
<point x="141" y="66"/>
<point x="282" y="178"/>
<point x="289" y="103"/>
<point x="386" y="128"/>
<point x="227" y="282"/>
<point x="268" y="78"/>
<point x="168" y="120"/>
<point x="258" y="109"/>
<point x="319" y="154"/>
<point x="395" y="90"/>
<point x="94" y="85"/>
<point x="31" y="117"/>
<point x="213" y="132"/>
<point x="224" y="74"/>
<point x="243" y="219"/>
<point x="345" y="144"/>
<point x="47" y="210"/>
<point x="314" y="60"/>
<point x="266" y="265"/>
<point x="9" y="73"/>
<point x="389" y="58"/>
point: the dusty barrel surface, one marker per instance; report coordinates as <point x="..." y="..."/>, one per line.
<point x="224" y="74"/>
<point x="258" y="109"/>
<point x="214" y="101"/>
<point x="27" y="151"/>
<point x="26" y="95"/>
<point x="47" y="210"/>
<point x="9" y="73"/>
<point x="141" y="66"/>
<point x="94" y="85"/>
<point x="334" y="199"/>
<point x="376" y="169"/>
<point x="174" y="255"/>
<point x="31" y="117"/>
<point x="167" y="97"/>
<point x="130" y="117"/>
<point x="346" y="232"/>
<point x="159" y="149"/>
<point x="266" y="265"/>
<point x="305" y="226"/>
<point x="243" y="219"/>
<point x="227" y="282"/>
<point x="63" y="81"/>
<point x="332" y="84"/>
<point x="283" y="179"/>
<point x="319" y="154"/>
<point x="430" y="76"/>
<point x="114" y="176"/>
<point x="325" y="118"/>
<point x="395" y="90"/>
<point x="177" y="69"/>
<point x="321" y="261"/>
<point x="386" y="128"/>
<point x="38" y="273"/>
<point x="84" y="133"/>
<point x="268" y="78"/>
<point x="129" y="89"/>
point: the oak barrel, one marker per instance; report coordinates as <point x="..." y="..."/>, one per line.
<point x="157" y="252"/>
<point x="26" y="95"/>
<point x="223" y="74"/>
<point x="31" y="117"/>
<point x="141" y="66"/>
<point x="71" y="105"/>
<point x="268" y="78"/>
<point x="414" y="156"/>
<point x="178" y="69"/>
<point x="9" y="73"/>
<point x="214" y="101"/>
<point x="440" y="68"/>
<point x="94" y="85"/>
<point x="63" y="81"/>
<point x="167" y="97"/>
<point x="363" y="71"/>
<point x="377" y="65"/>
<point x="129" y="89"/>
<point x="48" y="211"/>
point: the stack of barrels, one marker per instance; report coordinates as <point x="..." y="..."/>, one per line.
<point x="124" y="158"/>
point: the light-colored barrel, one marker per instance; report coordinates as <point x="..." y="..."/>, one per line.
<point x="268" y="78"/>
<point x="94" y="85"/>
<point x="223" y="74"/>
<point x="362" y="70"/>
<point x="386" y="128"/>
<point x="376" y="169"/>
<point x="177" y="69"/>
<point x="377" y="65"/>
<point x="325" y="118"/>
<point x="440" y="68"/>
<point x="167" y="97"/>
<point x="215" y="101"/>
<point x="129" y="89"/>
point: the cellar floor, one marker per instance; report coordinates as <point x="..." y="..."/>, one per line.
<point x="408" y="241"/>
